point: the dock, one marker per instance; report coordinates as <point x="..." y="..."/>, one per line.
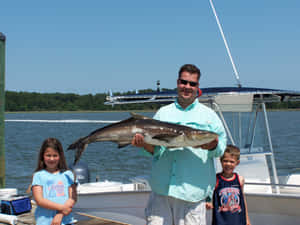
<point x="82" y="219"/>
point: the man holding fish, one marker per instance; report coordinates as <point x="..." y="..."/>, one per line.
<point x="183" y="177"/>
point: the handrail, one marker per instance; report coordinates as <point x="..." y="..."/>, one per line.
<point x="270" y="143"/>
<point x="272" y="184"/>
<point x="255" y="154"/>
<point x="224" y="122"/>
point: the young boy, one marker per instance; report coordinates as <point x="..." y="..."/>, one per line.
<point x="229" y="203"/>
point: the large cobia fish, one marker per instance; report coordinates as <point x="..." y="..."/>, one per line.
<point x="155" y="133"/>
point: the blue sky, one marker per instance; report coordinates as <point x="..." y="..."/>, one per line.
<point x="92" y="46"/>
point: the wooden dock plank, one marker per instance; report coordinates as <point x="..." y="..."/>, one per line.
<point x="28" y="219"/>
<point x="85" y="219"/>
<point x="99" y="220"/>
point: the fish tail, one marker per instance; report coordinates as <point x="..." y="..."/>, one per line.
<point x="80" y="145"/>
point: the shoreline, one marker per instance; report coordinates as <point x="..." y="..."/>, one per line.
<point x="118" y="111"/>
<point x="83" y="111"/>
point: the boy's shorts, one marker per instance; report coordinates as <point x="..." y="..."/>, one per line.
<point x="166" y="210"/>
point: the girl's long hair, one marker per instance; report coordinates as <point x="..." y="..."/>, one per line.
<point x="62" y="165"/>
<point x="56" y="145"/>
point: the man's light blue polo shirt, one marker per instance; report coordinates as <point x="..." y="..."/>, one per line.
<point x="187" y="173"/>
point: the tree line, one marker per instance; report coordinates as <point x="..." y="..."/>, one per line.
<point x="32" y="101"/>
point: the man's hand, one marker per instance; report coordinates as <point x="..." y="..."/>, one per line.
<point x="138" y="140"/>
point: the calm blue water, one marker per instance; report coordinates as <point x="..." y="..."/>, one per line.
<point x="23" y="140"/>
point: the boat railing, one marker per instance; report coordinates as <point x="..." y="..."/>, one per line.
<point x="262" y="154"/>
<point x="233" y="103"/>
<point x="272" y="184"/>
<point x="277" y="189"/>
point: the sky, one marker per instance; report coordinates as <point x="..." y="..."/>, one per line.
<point x="93" y="46"/>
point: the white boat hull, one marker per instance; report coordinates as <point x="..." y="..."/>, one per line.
<point x="128" y="207"/>
<point x="126" y="202"/>
<point x="273" y="209"/>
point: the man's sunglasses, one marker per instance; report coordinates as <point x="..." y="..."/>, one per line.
<point x="185" y="82"/>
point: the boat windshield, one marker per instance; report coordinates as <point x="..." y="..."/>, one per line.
<point x="247" y="130"/>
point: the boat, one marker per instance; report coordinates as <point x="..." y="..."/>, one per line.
<point x="271" y="199"/>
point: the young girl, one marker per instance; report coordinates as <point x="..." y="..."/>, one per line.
<point x="53" y="186"/>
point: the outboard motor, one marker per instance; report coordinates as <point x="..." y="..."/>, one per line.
<point x="82" y="172"/>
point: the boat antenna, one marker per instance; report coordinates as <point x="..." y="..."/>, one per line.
<point x="237" y="77"/>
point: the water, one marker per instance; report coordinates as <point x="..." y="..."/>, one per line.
<point x="23" y="139"/>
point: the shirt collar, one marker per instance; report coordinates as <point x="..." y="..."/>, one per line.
<point x="191" y="106"/>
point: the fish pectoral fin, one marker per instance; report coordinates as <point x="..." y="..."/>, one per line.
<point x="164" y="137"/>
<point x="122" y="144"/>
